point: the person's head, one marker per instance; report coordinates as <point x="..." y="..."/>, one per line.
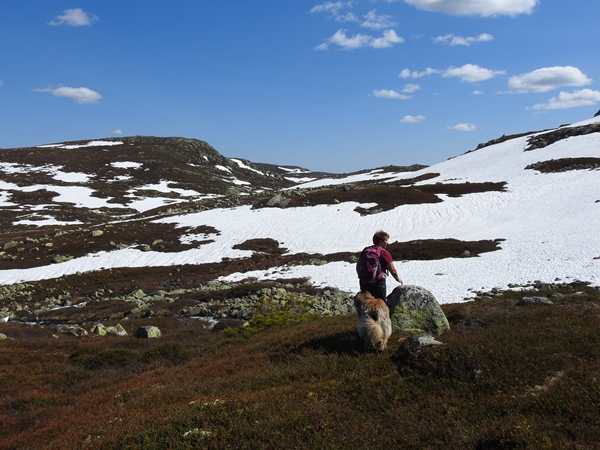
<point x="380" y="237"/>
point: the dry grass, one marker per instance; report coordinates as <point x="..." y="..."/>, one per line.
<point x="507" y="377"/>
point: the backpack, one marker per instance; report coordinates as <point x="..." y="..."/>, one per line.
<point x="368" y="266"/>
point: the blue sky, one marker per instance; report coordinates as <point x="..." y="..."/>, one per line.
<point x="334" y="86"/>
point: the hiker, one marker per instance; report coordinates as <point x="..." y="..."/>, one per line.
<point x="373" y="265"/>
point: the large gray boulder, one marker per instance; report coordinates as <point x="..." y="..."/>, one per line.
<point x="148" y="332"/>
<point x="415" y="310"/>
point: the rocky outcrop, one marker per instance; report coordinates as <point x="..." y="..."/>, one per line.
<point x="545" y="139"/>
<point x="415" y="309"/>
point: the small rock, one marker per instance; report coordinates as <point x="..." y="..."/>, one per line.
<point x="73" y="330"/>
<point x="148" y="332"/>
<point x="98" y="329"/>
<point x="96" y="233"/>
<point x="116" y="330"/>
<point x="534" y="301"/>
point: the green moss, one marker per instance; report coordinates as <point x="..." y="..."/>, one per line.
<point x="278" y="310"/>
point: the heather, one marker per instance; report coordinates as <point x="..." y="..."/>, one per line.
<point x="507" y="376"/>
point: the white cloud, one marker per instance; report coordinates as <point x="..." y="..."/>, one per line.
<point x="584" y="97"/>
<point x="74" y="17"/>
<point x="547" y="78"/>
<point x="387" y="93"/>
<point x="332" y="7"/>
<point x="388" y="39"/>
<point x="406" y="73"/>
<point x="483" y="8"/>
<point x="471" y="73"/>
<point x="117" y="131"/>
<point x="450" y="39"/>
<point x="1" y="83"/>
<point x="412" y="119"/>
<point x="410" y="88"/>
<point x="476" y="92"/>
<point x="348" y="17"/>
<point x="376" y="21"/>
<point x="80" y="95"/>
<point x="464" y="127"/>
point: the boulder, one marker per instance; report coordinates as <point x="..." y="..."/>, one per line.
<point x="278" y="201"/>
<point x="116" y="330"/>
<point x="412" y="346"/>
<point x="534" y="301"/>
<point x="98" y="329"/>
<point x="415" y="309"/>
<point x="73" y="330"/>
<point x="148" y="332"/>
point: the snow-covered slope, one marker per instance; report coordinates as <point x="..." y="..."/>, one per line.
<point x="549" y="223"/>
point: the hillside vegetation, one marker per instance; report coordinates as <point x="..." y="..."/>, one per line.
<point x="507" y="376"/>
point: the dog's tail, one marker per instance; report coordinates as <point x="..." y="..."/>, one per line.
<point x="370" y="331"/>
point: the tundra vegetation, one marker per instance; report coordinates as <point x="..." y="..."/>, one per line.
<point x="506" y="376"/>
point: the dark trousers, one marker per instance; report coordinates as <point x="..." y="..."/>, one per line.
<point x="377" y="289"/>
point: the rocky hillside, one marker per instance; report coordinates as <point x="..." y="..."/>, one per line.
<point x="142" y="226"/>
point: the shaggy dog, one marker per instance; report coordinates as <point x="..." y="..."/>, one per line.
<point x="374" y="324"/>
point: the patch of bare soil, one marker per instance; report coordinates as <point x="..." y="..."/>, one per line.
<point x="432" y="249"/>
<point x="565" y="165"/>
<point x="266" y="245"/>
<point x="386" y="197"/>
<point x="41" y="246"/>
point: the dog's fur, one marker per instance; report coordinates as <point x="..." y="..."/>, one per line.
<point x="374" y="324"/>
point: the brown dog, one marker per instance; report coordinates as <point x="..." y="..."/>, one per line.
<point x="374" y="324"/>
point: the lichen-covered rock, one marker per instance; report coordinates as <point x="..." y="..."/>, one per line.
<point x="412" y="346"/>
<point x="116" y="330"/>
<point x="73" y="330"/>
<point x="415" y="309"/>
<point x="148" y="332"/>
<point x="534" y="301"/>
<point x="98" y="329"/>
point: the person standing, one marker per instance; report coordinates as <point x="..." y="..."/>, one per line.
<point x="373" y="265"/>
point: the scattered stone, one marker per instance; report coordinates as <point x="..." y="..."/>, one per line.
<point x="148" y="332"/>
<point x="138" y="294"/>
<point x="116" y="330"/>
<point x="10" y="244"/>
<point x="412" y="346"/>
<point x="415" y="309"/>
<point x="534" y="301"/>
<point x="73" y="330"/>
<point x="96" y="233"/>
<point x="2" y="336"/>
<point x="278" y="201"/>
<point x="98" y="329"/>
<point x="57" y="259"/>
